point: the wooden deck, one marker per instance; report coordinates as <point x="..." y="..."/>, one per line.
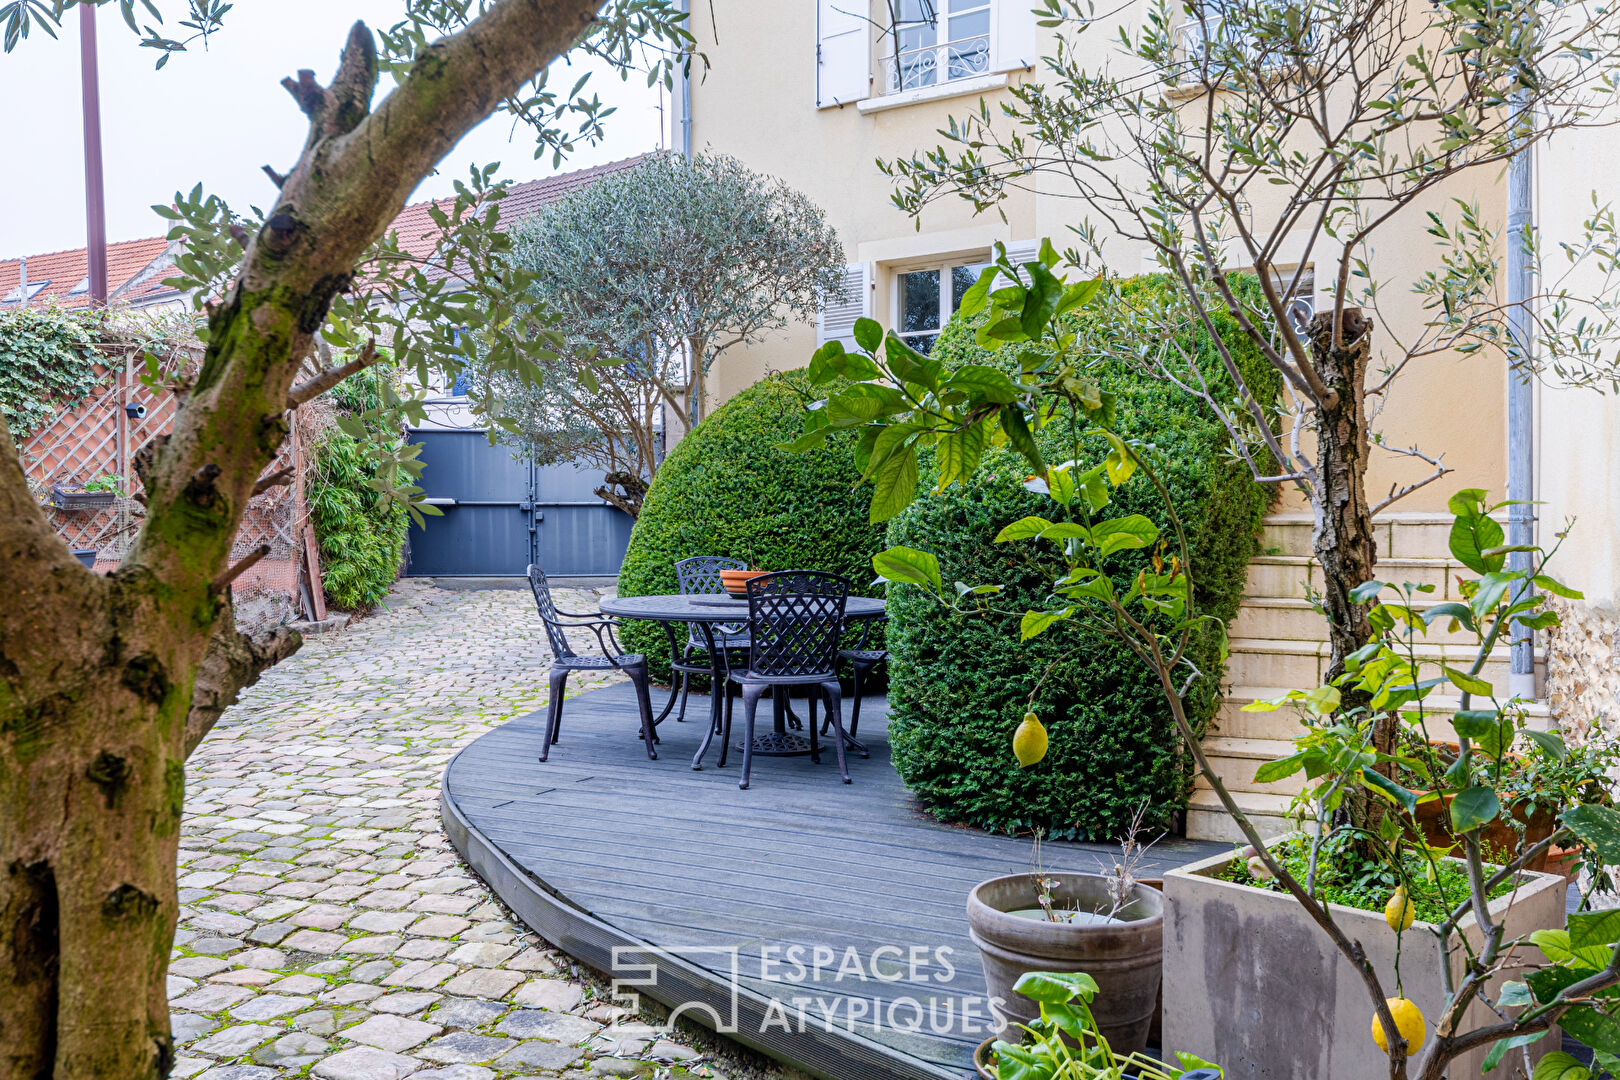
<point x="654" y="873"/>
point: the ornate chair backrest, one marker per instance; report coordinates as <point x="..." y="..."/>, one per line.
<point x="795" y="619"/>
<point x="548" y="613"/>
<point x="700" y="576"/>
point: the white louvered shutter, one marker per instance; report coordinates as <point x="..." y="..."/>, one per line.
<point x="853" y="300"/>
<point x="1013" y="39"/>
<point x="1020" y="252"/>
<point x="843" y="53"/>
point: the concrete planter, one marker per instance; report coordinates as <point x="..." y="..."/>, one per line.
<point x="1252" y="983"/>
<point x="1123" y="957"/>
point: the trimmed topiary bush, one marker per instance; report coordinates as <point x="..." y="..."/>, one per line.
<point x="727" y="490"/>
<point x="959" y="685"/>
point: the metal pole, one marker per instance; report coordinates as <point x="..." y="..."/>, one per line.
<point x="1521" y="403"/>
<point x="686" y="94"/>
<point x="95" y="202"/>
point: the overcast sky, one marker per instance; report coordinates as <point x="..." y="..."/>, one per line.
<point x="216" y="117"/>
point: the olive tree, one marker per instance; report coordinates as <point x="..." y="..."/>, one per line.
<point x="651" y="275"/>
<point x="1290" y="137"/>
<point x="108" y="682"/>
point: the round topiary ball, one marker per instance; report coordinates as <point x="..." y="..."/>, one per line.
<point x="727" y="490"/>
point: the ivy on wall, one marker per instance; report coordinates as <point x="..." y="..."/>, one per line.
<point x="47" y="363"/>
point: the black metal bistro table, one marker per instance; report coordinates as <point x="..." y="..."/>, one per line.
<point x="706" y="612"/>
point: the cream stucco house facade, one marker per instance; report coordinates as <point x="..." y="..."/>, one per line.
<point x="815" y="91"/>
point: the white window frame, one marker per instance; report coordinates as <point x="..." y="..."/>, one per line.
<point x="943" y="267"/>
<point x="937" y="57"/>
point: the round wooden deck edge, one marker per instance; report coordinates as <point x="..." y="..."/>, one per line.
<point x="828" y="1054"/>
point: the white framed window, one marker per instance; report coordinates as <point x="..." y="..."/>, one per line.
<point x="936" y="41"/>
<point x="925" y="299"/>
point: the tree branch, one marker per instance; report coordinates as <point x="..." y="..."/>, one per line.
<point x="319" y="384"/>
<point x="233" y="661"/>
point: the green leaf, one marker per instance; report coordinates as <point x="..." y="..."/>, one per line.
<point x="1471" y="536"/>
<point x="1272" y="771"/>
<point x="1500" y="1048"/>
<point x="1557" y="588"/>
<point x="1066" y="530"/>
<point x="1469" y="683"/>
<point x="1048" y="255"/>
<point x="1592" y="1028"/>
<point x="1598" y="827"/>
<point x="1594" y="928"/>
<point x="908" y="565"/>
<point x="1514" y="994"/>
<point x="1389" y="789"/>
<point x="1120" y="534"/>
<point x="1366" y="592"/>
<point x="1472" y="807"/>
<point x="1560" y="1066"/>
<point x="978" y="294"/>
<point x="1026" y="528"/>
<point x="1451" y="609"/>
<point x="1038" y="622"/>
<point x="1056" y="988"/>
<point x="894" y="485"/>
<point x="983" y="383"/>
<point x="1045" y="293"/>
<point x="1022" y="439"/>
<point x="1475" y="723"/>
<point x="959" y="454"/>
<point x="1549" y="741"/>
<point x="868" y="334"/>
<point x="911" y="366"/>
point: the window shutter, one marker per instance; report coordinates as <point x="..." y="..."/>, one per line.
<point x="843" y="54"/>
<point x="1013" y="39"/>
<point x="853" y="300"/>
<point x="1020" y="252"/>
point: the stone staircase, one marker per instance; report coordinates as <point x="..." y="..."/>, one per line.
<point x="1278" y="644"/>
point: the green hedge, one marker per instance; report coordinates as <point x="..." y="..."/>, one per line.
<point x="958" y="685"/>
<point x="727" y="490"/>
<point x="362" y="536"/>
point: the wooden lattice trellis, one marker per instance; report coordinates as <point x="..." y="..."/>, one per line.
<point x="98" y="439"/>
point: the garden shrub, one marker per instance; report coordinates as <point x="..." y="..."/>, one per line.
<point x="726" y="489"/>
<point x="362" y="535"/>
<point x="959" y="685"/>
<point x="47" y="364"/>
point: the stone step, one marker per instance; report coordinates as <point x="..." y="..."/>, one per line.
<point x="1302" y="664"/>
<point x="1232" y="722"/>
<point x="1294" y="619"/>
<point x="1297" y="576"/>
<point x="1207" y="819"/>
<point x="1399" y="535"/>
<point x="1235" y="760"/>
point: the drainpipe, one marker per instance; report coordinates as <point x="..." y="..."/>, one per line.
<point x="95" y="202"/>
<point x="686" y="93"/>
<point x="1521" y="403"/>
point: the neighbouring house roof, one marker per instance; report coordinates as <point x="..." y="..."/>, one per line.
<point x="135" y="272"/>
<point x="136" y="268"/>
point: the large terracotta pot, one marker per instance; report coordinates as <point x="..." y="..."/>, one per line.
<point x="1125" y="957"/>
<point x="1434" y="816"/>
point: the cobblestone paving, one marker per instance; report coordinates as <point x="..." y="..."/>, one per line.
<point x="327" y="928"/>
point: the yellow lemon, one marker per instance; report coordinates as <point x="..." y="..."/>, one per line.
<point x="1408" y="1021"/>
<point x="1029" y="741"/>
<point x="1400" y="911"/>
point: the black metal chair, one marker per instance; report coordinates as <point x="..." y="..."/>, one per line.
<point x="700" y="576"/>
<point x="795" y="619"/>
<point x="565" y="659"/>
<point x="863" y="662"/>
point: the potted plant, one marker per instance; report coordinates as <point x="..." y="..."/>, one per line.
<point x="1110" y="926"/>
<point x="736" y="581"/>
<point x="1066" y="1041"/>
<point x="97" y="493"/>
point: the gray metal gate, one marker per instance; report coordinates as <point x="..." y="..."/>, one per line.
<point x="501" y="513"/>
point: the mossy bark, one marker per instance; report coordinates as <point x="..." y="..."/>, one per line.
<point x="106" y="683"/>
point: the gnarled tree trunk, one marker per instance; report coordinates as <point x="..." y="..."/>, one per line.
<point x="98" y="675"/>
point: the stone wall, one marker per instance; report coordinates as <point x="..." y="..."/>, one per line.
<point x="1583" y="670"/>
